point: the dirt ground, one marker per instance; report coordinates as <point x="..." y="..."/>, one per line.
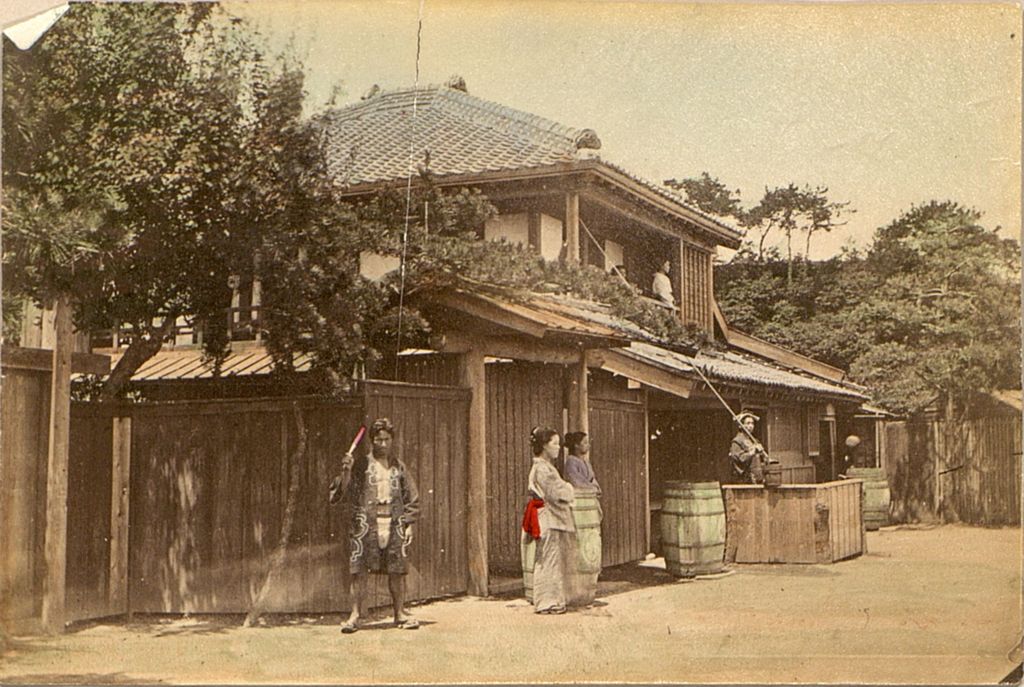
<point x="939" y="605"/>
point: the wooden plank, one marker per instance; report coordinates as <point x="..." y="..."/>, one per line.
<point x="25" y="410"/>
<point x="54" y="588"/>
<point x="472" y="376"/>
<point x="41" y="360"/>
<point x="645" y="442"/>
<point x="572" y="226"/>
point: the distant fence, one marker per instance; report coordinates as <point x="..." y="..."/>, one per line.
<point x="968" y="471"/>
<point x="205" y="486"/>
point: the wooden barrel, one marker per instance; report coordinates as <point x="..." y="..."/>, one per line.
<point x="582" y="581"/>
<point x="876" y="495"/>
<point x="693" y="528"/>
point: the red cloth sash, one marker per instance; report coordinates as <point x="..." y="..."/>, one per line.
<point x="531" y="522"/>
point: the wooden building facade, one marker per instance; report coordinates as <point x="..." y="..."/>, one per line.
<point x="549" y="359"/>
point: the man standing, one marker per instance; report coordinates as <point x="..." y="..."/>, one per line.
<point x="746" y="454"/>
<point x="384" y="504"/>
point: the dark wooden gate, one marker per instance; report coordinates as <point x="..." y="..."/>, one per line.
<point x="210" y="487"/>
<point x="618" y="435"/>
<point x="431" y="434"/>
<point x="519" y="396"/>
<point x="91" y="518"/>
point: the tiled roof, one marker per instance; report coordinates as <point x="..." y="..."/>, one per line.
<point x="444" y="129"/>
<point x="393" y="134"/>
<point x="728" y="366"/>
<point x="597" y="313"/>
<point x="1011" y="397"/>
<point x="188" y="363"/>
<point x="537" y="314"/>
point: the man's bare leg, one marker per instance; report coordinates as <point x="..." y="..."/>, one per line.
<point x="396" y="585"/>
<point x="357" y="594"/>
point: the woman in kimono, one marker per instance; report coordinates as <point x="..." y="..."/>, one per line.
<point x="548" y="519"/>
<point x="578" y="470"/>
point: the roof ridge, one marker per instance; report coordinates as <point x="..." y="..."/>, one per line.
<point x="570" y="137"/>
<point x="355" y="108"/>
<point x="501" y="112"/>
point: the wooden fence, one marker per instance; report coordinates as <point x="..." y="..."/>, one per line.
<point x="519" y="397"/>
<point x="968" y="471"/>
<point x="205" y="486"/>
<point x="25" y="426"/>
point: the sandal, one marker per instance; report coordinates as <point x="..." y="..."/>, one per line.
<point x="557" y="610"/>
<point x="348" y="628"/>
<point x="407" y="624"/>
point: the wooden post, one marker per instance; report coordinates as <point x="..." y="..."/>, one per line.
<point x="119" y="492"/>
<point x="533" y="230"/>
<point x="709" y="316"/>
<point x="579" y="396"/>
<point x="647" y="470"/>
<point x="582" y="395"/>
<point x="55" y="548"/>
<point x="471" y="373"/>
<point x="572" y="227"/>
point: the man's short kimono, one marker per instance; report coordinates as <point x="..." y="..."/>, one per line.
<point x="373" y="549"/>
<point x="746" y="457"/>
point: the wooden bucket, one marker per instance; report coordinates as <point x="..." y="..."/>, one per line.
<point x="773" y="475"/>
<point x="876" y="495"/>
<point x="582" y="581"/>
<point x="693" y="528"/>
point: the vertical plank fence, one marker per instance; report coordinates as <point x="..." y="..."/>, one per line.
<point x="210" y="484"/>
<point x="968" y="471"/>
<point x="25" y="421"/>
<point x="618" y="439"/>
<point x="519" y="397"/>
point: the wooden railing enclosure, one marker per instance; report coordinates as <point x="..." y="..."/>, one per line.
<point x="800" y="523"/>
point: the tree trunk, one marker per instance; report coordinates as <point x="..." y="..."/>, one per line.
<point x="789" y="257"/>
<point x="137" y="353"/>
<point x="277" y="558"/>
<point x="760" y="245"/>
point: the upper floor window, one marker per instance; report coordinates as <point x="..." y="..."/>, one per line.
<point x="536" y="229"/>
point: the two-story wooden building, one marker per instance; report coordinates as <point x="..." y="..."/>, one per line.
<point x="554" y="360"/>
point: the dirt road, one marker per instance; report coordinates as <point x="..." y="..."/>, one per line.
<point x="926" y="605"/>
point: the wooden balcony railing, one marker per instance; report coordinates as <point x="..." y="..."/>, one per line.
<point x="243" y="324"/>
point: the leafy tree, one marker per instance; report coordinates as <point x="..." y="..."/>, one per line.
<point x="931" y="311"/>
<point x="791" y="210"/>
<point x="945" y="317"/>
<point x="710" y="195"/>
<point x="157" y="143"/>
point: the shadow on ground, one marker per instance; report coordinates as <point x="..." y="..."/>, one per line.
<point x="173" y="625"/>
<point x="82" y="679"/>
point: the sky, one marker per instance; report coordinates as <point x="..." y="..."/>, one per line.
<point x="887" y="105"/>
